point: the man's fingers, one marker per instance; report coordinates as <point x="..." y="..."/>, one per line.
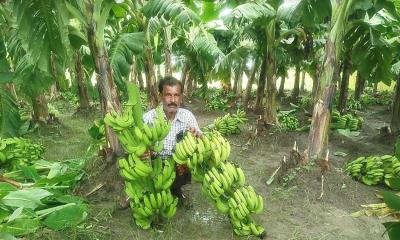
<point x="145" y="155"/>
<point x="194" y="132"/>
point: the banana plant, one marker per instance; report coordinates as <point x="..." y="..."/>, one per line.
<point x="39" y="48"/>
<point x="93" y="16"/>
<point x="264" y="18"/>
<point x="345" y="14"/>
<point x="368" y="50"/>
<point x="10" y="120"/>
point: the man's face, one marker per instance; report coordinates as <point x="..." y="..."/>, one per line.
<point x="171" y="98"/>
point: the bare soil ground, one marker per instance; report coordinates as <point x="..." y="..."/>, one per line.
<point x="291" y="211"/>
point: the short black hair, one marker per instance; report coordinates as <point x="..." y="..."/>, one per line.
<point x="170" y="81"/>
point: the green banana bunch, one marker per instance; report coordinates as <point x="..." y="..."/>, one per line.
<point x="354" y="168"/>
<point x="137" y="140"/>
<point x="165" y="176"/>
<point x="147" y="183"/>
<point x="373" y="170"/>
<point x="120" y="122"/>
<point x="229" y="124"/>
<point x="346" y="121"/>
<point x="149" y="188"/>
<point x="392" y="169"/>
<point x="222" y="181"/>
<point x="248" y="227"/>
<point x="134" y="168"/>
<point x="153" y="205"/>
<point x="16" y="151"/>
<point x="209" y="150"/>
<point x="238" y="204"/>
<point x="219" y="180"/>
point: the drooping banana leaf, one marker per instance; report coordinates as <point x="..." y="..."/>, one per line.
<point x="172" y="10"/>
<point x="10" y="119"/>
<point x="121" y="53"/>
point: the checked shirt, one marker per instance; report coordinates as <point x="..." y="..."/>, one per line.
<point x="184" y="119"/>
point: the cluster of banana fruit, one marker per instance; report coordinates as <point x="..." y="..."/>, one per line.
<point x="221" y="180"/>
<point x="147" y="182"/>
<point x="229" y="124"/>
<point x="200" y="154"/>
<point x="148" y="185"/>
<point x="225" y="185"/>
<point x="152" y="206"/>
<point x="245" y="202"/>
<point x="373" y="170"/>
<point x="138" y="138"/>
<point x="16" y="151"/>
<point x="346" y="121"/>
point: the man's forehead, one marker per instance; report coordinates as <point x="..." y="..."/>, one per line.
<point x="173" y="88"/>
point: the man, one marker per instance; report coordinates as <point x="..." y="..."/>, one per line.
<point x="171" y="94"/>
<point x="170" y="90"/>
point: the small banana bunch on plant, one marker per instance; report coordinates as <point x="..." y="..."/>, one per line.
<point x="16" y="151"/>
<point x="222" y="181"/>
<point x="229" y="124"/>
<point x="147" y="183"/>
<point x="373" y="170"/>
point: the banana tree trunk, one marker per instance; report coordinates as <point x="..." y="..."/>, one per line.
<point x="40" y="109"/>
<point x="240" y="80"/>
<point x="53" y="88"/>
<point x="360" y="83"/>
<point x="315" y="80"/>
<point x="296" y="87"/>
<point x="344" y="86"/>
<point x="159" y="75"/>
<point x="53" y="92"/>
<point x="168" y="50"/>
<point x="270" y="115"/>
<point x="185" y="74"/>
<point x="140" y="80"/>
<point x="150" y="76"/>
<point x="109" y="97"/>
<point x="303" y="79"/>
<point x="395" y="122"/>
<point x="318" y="136"/>
<point x="281" y="92"/>
<point x="261" y="86"/>
<point x="83" y="95"/>
<point x="236" y="80"/>
<point x="249" y="85"/>
<point x="188" y="86"/>
<point x="168" y="62"/>
<point x="375" y="88"/>
<point x="133" y="73"/>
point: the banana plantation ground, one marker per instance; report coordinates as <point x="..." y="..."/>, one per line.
<point x="292" y="209"/>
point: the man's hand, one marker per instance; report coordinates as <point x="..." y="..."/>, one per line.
<point x="146" y="155"/>
<point x="195" y="132"/>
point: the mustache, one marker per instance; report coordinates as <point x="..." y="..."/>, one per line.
<point x="172" y="105"/>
